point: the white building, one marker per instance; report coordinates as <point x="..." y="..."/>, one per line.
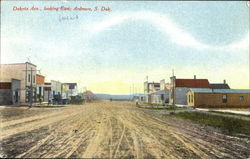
<point x="73" y="91"/>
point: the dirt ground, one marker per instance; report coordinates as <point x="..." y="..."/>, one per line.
<point x="110" y="130"/>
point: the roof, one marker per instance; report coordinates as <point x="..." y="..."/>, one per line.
<point x="160" y="92"/>
<point x="192" y="83"/>
<point x="205" y="90"/>
<point x="155" y="84"/>
<point x="219" y="86"/>
<point x="40" y="75"/>
<point x="20" y="64"/>
<point x="71" y="85"/>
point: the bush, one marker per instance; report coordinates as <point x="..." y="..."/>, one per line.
<point x="76" y="100"/>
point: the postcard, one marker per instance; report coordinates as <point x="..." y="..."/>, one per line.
<point x="124" y="79"/>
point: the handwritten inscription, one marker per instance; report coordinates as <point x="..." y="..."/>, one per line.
<point x="68" y="17"/>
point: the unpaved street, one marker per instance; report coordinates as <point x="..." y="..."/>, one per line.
<point x="110" y="130"/>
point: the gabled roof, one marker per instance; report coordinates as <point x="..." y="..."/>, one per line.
<point x="219" y="86"/>
<point x="155" y="84"/>
<point x="192" y="83"/>
<point x="205" y="90"/>
<point x="20" y="64"/>
<point x="160" y="92"/>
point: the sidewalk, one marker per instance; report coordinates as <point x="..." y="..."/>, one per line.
<point x="226" y="111"/>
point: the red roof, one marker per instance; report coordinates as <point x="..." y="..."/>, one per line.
<point x="192" y="83"/>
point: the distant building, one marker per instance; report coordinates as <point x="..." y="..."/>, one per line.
<point x="223" y="85"/>
<point x="150" y="87"/>
<point x="48" y="96"/>
<point x="40" y="87"/>
<point x="180" y="87"/>
<point x="159" y="97"/>
<point x="26" y="74"/>
<point x="72" y="89"/>
<point x="65" y="93"/>
<point x="56" y="89"/>
<point x="218" y="97"/>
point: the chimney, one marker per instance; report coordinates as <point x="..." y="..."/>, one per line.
<point x="194" y="76"/>
<point x="224" y="81"/>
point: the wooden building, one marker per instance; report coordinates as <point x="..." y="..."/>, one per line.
<point x="179" y="88"/>
<point x="218" y="97"/>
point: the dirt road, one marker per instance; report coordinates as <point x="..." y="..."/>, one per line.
<point x="110" y="130"/>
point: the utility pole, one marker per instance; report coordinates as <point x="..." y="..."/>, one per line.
<point x="31" y="96"/>
<point x="173" y="79"/>
<point x="30" y="90"/>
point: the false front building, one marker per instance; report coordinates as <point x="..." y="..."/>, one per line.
<point x="25" y="73"/>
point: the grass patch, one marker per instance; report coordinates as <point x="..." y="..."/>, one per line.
<point x="155" y="105"/>
<point x="229" y="125"/>
<point x="166" y="108"/>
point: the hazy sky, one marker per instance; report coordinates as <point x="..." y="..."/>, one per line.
<point x="110" y="51"/>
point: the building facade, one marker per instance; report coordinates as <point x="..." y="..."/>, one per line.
<point x="26" y="74"/>
<point x="73" y="91"/>
<point x="40" y="80"/>
<point x="65" y="93"/>
<point x="149" y="88"/>
<point x="179" y="88"/>
<point x="10" y="92"/>
<point x="160" y="97"/>
<point x="47" y="93"/>
<point x="218" y="97"/>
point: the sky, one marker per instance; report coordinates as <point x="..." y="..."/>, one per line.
<point x="113" y="51"/>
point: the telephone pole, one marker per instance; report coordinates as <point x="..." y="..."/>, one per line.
<point x="173" y="79"/>
<point x="30" y="90"/>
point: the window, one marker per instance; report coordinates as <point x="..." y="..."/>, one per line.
<point x="162" y="97"/>
<point x="29" y="78"/>
<point x="34" y="78"/>
<point x="40" y="91"/>
<point x="192" y="98"/>
<point x="189" y="98"/>
<point x="224" y="98"/>
<point x="241" y="98"/>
